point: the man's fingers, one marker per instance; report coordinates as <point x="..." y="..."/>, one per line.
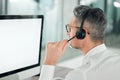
<point x="51" y="44"/>
<point x="63" y="44"/>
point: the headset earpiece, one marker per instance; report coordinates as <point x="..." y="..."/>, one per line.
<point x="80" y="34"/>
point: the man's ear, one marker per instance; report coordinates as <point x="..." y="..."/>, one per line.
<point x="86" y="30"/>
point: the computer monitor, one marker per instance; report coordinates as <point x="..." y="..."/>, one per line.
<point x="20" y="43"/>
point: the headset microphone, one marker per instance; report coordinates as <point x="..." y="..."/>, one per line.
<point x="79" y="35"/>
<point x="71" y="38"/>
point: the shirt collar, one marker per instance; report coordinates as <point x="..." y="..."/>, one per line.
<point x="96" y="50"/>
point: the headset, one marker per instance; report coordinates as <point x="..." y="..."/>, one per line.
<point x="80" y="34"/>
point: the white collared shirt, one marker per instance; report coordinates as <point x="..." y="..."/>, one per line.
<point x="99" y="63"/>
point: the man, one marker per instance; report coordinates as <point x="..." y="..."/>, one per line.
<point x="86" y="31"/>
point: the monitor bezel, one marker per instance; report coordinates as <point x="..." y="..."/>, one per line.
<point x="7" y="17"/>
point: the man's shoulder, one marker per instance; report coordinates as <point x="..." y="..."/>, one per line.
<point x="108" y="67"/>
<point x="108" y="59"/>
<point x="112" y="55"/>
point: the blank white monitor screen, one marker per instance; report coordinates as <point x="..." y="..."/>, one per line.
<point x="20" y="42"/>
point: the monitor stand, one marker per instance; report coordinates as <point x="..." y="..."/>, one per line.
<point x="11" y="77"/>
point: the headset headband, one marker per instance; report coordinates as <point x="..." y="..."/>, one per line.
<point x="84" y="17"/>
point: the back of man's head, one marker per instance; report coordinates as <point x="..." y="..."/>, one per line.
<point x="96" y="19"/>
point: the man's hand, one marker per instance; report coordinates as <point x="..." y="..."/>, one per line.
<point x="54" y="51"/>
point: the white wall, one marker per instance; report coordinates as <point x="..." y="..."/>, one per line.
<point x="19" y="7"/>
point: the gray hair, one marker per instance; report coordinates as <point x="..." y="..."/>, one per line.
<point x="96" y="19"/>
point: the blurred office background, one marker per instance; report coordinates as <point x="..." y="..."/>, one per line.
<point x="57" y="13"/>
